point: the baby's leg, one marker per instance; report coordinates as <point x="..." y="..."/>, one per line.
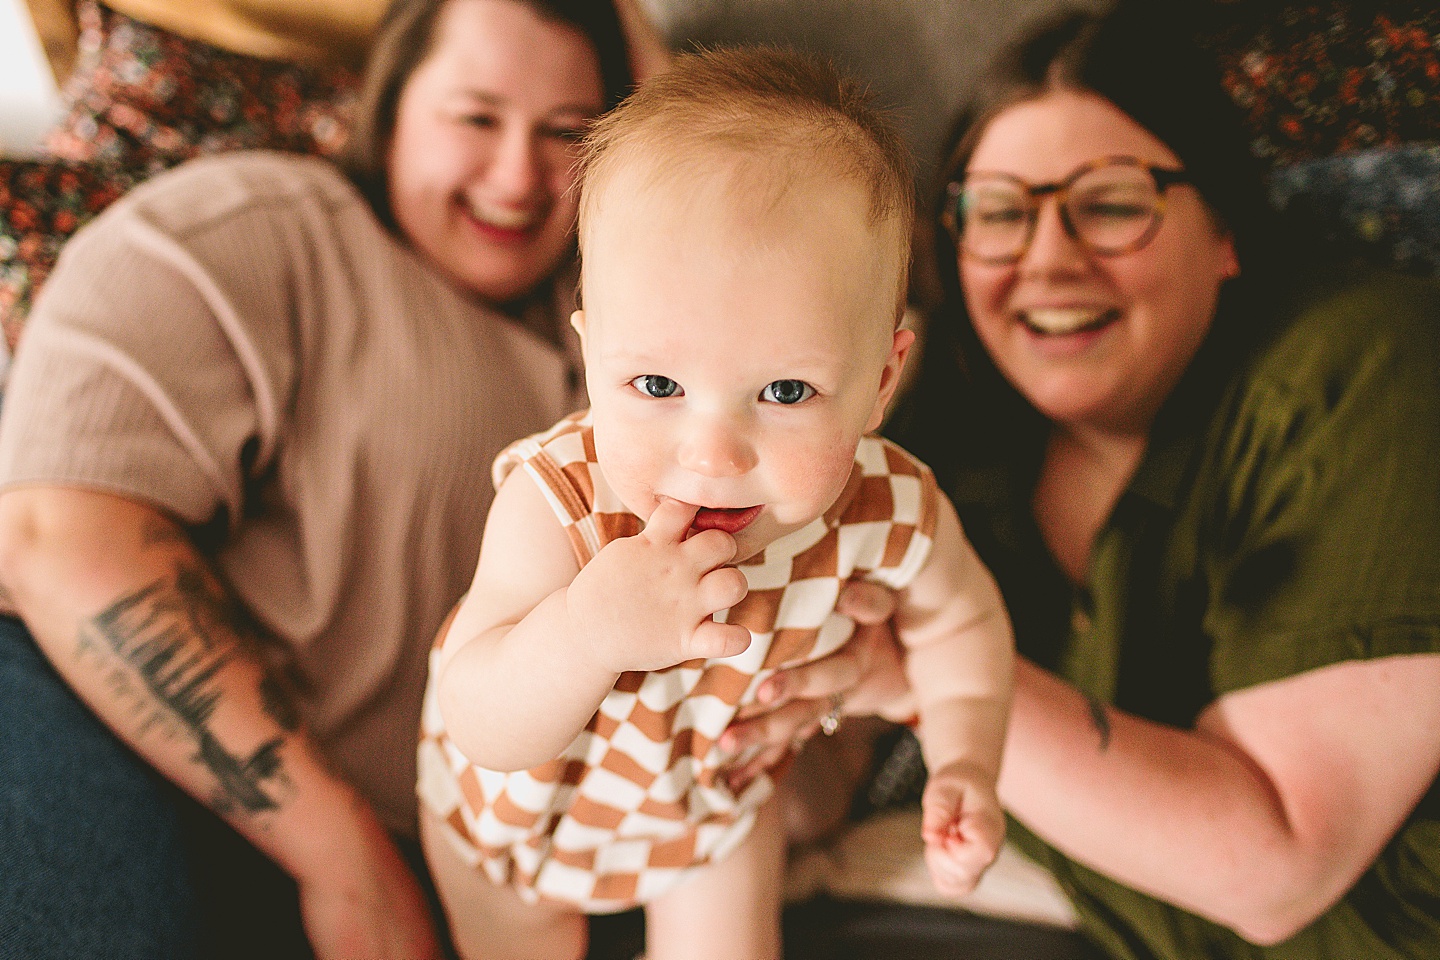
<point x="729" y="910"/>
<point x="490" y="922"/>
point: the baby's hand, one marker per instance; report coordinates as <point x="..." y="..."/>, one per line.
<point x="645" y="602"/>
<point x="963" y="827"/>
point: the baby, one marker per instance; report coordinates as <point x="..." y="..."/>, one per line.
<point x="744" y="233"/>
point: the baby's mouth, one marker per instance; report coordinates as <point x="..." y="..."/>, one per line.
<point x="1058" y="322"/>
<point x="729" y="519"/>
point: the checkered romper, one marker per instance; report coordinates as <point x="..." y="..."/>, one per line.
<point x="635" y="800"/>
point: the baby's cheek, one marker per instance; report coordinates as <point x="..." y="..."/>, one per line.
<point x="628" y="463"/>
<point x="818" y="474"/>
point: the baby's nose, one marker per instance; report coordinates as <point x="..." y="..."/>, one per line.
<point x="717" y="448"/>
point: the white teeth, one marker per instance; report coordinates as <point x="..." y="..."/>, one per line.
<point x="1061" y="320"/>
<point x="505" y="219"/>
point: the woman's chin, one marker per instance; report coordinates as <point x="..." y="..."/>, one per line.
<point x="497" y="279"/>
<point x="504" y="267"/>
<point x="1073" y="400"/>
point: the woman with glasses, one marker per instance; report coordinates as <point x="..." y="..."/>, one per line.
<point x="1205" y="470"/>
<point x="1207" y="483"/>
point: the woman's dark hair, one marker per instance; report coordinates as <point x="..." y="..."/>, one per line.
<point x="402" y="42"/>
<point x="1141" y="57"/>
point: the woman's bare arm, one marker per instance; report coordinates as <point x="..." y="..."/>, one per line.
<point x="1261" y="817"/>
<point x="135" y="621"/>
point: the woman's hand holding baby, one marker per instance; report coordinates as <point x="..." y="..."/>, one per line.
<point x="963" y="826"/>
<point x="867" y="674"/>
<point x="646" y="602"/>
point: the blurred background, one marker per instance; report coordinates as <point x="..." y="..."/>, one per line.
<point x="919" y="56"/>
<point x="1342" y="98"/>
<point x="29" y="100"/>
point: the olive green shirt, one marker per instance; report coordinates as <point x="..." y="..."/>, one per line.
<point x="1286" y="516"/>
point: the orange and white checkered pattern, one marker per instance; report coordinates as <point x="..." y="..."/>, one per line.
<point x="635" y="801"/>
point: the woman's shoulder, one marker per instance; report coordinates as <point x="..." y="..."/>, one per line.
<point x="1315" y="505"/>
<point x="1347" y="384"/>
<point x="1339" y="317"/>
<point x="1336" y="330"/>
<point x="212" y="189"/>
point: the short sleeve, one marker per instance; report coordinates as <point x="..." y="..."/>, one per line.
<point x="1326" y="533"/>
<point x="148" y="368"/>
<point x="894" y="480"/>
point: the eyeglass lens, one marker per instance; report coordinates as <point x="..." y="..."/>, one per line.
<point x="1108" y="209"/>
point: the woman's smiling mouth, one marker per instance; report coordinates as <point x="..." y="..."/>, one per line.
<point x="1058" y="322"/>
<point x="503" y="221"/>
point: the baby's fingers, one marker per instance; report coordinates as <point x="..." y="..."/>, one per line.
<point x="969" y="853"/>
<point x="983" y="829"/>
<point x="709" y="549"/>
<point x="959" y="853"/>
<point x="952" y="876"/>
<point x="669" y="521"/>
<point x="712" y="639"/>
<point x="722" y="588"/>
<point x="940" y="807"/>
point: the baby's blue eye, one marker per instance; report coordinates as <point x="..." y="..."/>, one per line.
<point x="654" y="385"/>
<point x="787" y="392"/>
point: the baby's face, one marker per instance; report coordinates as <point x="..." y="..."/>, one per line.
<point x="736" y="350"/>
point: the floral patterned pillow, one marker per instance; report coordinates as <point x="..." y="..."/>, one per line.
<point x="1320" y="78"/>
<point x="1342" y="100"/>
<point x="43" y="202"/>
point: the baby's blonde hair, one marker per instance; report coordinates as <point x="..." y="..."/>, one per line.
<point x="779" y="113"/>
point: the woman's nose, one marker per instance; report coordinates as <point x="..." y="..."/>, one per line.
<point x="717" y="448"/>
<point x="1052" y="246"/>
<point x="515" y="166"/>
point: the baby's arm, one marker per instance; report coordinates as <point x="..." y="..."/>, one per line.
<point x="960" y="660"/>
<point x="538" y="641"/>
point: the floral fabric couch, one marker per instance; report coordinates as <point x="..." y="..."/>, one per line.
<point x="1343" y="101"/>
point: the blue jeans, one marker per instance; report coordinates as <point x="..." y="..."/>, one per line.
<point x="92" y="860"/>
<point x="101" y="858"/>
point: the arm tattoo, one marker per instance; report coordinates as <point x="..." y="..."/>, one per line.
<point x="176" y="638"/>
<point x="1101" y="719"/>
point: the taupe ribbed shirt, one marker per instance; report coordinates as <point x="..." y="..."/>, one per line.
<point x="240" y="343"/>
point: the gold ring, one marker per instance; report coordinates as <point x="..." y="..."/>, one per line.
<point x="831" y="721"/>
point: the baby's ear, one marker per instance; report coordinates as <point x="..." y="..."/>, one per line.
<point x="890" y="377"/>
<point x="577" y="321"/>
